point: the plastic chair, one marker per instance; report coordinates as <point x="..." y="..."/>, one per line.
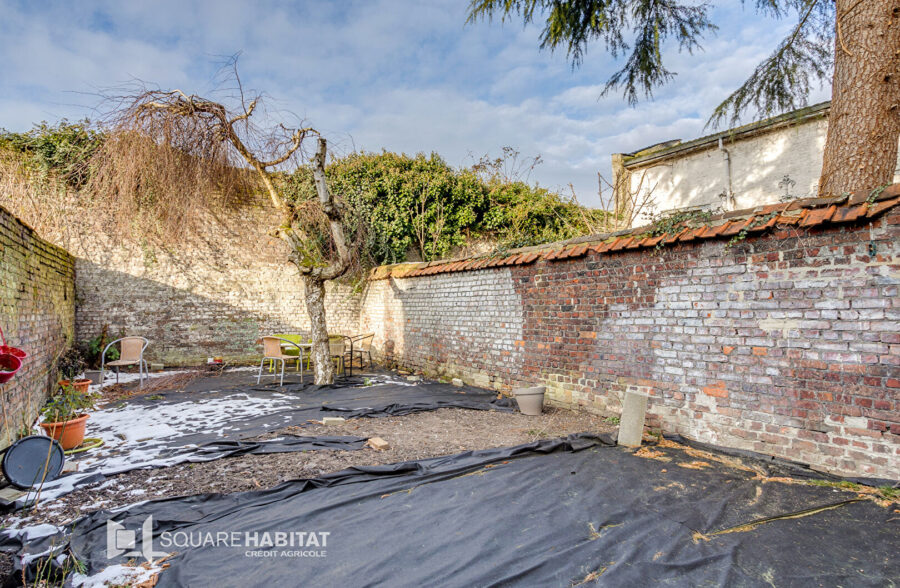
<point x="131" y="352"/>
<point x="272" y="351"/>
<point x="337" y="350"/>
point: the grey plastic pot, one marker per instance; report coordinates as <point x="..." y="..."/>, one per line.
<point x="530" y="400"/>
<point x="93" y="376"/>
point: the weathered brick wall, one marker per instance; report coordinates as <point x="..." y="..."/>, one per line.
<point x="213" y="295"/>
<point x="450" y="324"/>
<point x="37" y="313"/>
<point x="785" y="344"/>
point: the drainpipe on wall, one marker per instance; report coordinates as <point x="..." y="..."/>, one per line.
<point x="728" y="194"/>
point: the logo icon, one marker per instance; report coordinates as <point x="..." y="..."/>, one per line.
<point x="122" y="541"/>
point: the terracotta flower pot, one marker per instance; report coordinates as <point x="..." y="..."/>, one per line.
<point x="70" y="434"/>
<point x="81" y="385"/>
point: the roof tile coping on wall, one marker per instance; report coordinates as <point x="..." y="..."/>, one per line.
<point x="806" y="213"/>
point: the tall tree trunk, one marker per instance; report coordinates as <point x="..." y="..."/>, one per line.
<point x="864" y="123"/>
<point x="315" y="306"/>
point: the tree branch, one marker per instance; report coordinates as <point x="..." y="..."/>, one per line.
<point x="331" y="209"/>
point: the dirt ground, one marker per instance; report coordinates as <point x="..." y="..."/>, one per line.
<point x="416" y="436"/>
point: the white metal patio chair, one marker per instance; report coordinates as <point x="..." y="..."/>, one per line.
<point x="131" y="352"/>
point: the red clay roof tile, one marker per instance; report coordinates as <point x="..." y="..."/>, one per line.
<point x="807" y="212"/>
<point x="879" y="207"/>
<point x="818" y="216"/>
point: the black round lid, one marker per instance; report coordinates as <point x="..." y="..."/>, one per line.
<point x="25" y="460"/>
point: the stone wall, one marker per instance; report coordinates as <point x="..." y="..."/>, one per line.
<point x="213" y="295"/>
<point x="787" y="344"/>
<point x="37" y="311"/>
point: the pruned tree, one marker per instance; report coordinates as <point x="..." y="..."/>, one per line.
<point x="858" y="41"/>
<point x="182" y="146"/>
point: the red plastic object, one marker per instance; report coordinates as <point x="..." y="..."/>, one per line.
<point x="9" y="365"/>
<point x="9" y="350"/>
<point x="10" y="360"/>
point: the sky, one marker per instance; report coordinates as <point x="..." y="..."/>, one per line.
<point x="401" y="75"/>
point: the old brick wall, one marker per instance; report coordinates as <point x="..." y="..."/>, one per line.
<point x="786" y="344"/>
<point x="448" y="325"/>
<point x="37" y="313"/>
<point x="213" y="295"/>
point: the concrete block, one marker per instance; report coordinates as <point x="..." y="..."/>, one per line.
<point x="333" y="420"/>
<point x="631" y="424"/>
<point x="378" y="444"/>
<point x="457" y="382"/>
<point x="157" y="367"/>
<point x="9" y="495"/>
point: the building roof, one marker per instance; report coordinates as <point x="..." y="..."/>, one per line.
<point x="669" y="148"/>
<point x="858" y="207"/>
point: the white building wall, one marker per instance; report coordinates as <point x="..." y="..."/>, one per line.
<point x="759" y="163"/>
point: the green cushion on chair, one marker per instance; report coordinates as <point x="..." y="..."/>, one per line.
<point x="290" y="350"/>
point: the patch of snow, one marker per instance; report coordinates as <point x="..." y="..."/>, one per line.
<point x="109" y="378"/>
<point x="137" y="492"/>
<point x="94" y="505"/>
<point x="116" y="575"/>
<point x="38" y="531"/>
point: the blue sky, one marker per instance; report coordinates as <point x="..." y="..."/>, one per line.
<point x="380" y="74"/>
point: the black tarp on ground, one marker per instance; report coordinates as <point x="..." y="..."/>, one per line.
<point x="550" y="513"/>
<point x="351" y="397"/>
<point x="209" y="421"/>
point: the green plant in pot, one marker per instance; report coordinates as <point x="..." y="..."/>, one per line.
<point x="71" y="365"/>
<point x="65" y="417"/>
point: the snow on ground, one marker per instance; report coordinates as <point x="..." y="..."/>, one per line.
<point x="117" y="575"/>
<point x="147" y="435"/>
<point x="139" y="436"/>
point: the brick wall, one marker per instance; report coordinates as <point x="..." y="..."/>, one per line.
<point x="452" y="325"/>
<point x="37" y="310"/>
<point x="212" y="293"/>
<point x="786" y="344"/>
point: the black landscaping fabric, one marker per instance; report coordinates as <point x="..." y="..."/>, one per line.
<point x="551" y="513"/>
<point x="348" y="397"/>
<point x="373" y="396"/>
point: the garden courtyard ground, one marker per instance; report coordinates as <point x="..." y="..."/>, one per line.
<point x="483" y="495"/>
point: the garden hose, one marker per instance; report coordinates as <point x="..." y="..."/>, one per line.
<point x="88" y="443"/>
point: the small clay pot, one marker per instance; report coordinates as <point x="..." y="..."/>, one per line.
<point x="82" y="385"/>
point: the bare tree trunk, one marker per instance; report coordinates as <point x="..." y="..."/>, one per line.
<point x="315" y="307"/>
<point x="864" y="124"/>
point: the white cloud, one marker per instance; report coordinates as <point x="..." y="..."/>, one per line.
<point x="401" y="75"/>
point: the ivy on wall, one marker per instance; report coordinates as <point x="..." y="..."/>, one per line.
<point x="419" y="207"/>
<point x="402" y="208"/>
